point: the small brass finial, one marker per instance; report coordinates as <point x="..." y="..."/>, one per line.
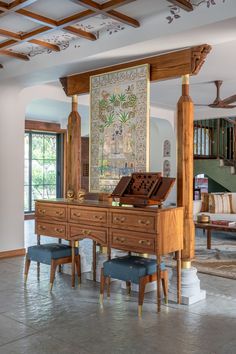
<point x="70" y="194"/>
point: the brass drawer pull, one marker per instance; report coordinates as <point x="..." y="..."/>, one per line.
<point x="42" y="227"/>
<point x="143" y="242"/>
<point x="144" y="222"/>
<point x="43" y="211"/>
<point x="120" y="239"/>
<point x="98" y="217"/>
<point x="59" y="213"/>
<point x="122" y="219"/>
<point x="58" y="230"/>
<point x="75" y="214"/>
<point x="86" y="232"/>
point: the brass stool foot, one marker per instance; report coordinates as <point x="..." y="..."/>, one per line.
<point x="140" y="308"/>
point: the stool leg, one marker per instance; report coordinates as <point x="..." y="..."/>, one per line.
<point x="78" y="267"/>
<point x="94" y="260"/>
<point x="128" y="287"/>
<point x="164" y="279"/>
<point x="60" y="266"/>
<point x="73" y="264"/>
<point x="38" y="263"/>
<point x="102" y="283"/>
<point x="27" y="265"/>
<point x="142" y="284"/>
<point x="108" y="287"/>
<point x="52" y="273"/>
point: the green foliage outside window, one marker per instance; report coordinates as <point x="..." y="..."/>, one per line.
<point x="41" y="157"/>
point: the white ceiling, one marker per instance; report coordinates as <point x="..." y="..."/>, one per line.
<point x="215" y="25"/>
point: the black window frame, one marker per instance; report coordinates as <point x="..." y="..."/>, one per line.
<point x="59" y="165"/>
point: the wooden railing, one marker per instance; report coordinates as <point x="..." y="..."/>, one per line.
<point x="215" y="138"/>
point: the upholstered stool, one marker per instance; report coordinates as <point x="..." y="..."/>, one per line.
<point x="133" y="269"/>
<point x="53" y="254"/>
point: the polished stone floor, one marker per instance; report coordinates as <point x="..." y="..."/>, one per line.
<point x="71" y="321"/>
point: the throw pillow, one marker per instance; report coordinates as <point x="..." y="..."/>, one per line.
<point x="220" y="203"/>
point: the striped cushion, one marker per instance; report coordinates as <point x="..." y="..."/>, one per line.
<point x="220" y="203"/>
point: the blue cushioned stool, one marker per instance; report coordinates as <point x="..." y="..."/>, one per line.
<point x="53" y="254"/>
<point x="133" y="269"/>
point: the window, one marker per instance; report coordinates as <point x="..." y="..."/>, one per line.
<point x="43" y="165"/>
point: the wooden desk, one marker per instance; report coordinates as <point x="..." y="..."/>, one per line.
<point x="151" y="230"/>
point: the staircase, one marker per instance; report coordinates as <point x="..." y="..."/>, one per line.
<point x="215" y="169"/>
<point x="215" y="151"/>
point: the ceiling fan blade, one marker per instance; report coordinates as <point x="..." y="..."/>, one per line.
<point x="201" y="105"/>
<point x="229" y="100"/>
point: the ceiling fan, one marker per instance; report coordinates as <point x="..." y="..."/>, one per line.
<point x="218" y="102"/>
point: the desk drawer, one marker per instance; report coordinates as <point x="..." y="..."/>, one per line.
<point x="89" y="216"/>
<point x="97" y="234"/>
<point x="136" y="221"/>
<point x="133" y="241"/>
<point x="48" y="229"/>
<point x="55" y="212"/>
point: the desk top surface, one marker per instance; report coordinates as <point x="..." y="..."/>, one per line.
<point x="105" y="204"/>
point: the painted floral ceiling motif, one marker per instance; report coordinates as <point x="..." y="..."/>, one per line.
<point x="175" y="11"/>
<point x="99" y="26"/>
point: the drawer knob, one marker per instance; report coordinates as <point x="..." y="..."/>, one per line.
<point x="120" y="239"/>
<point x="86" y="232"/>
<point x="144" y="222"/>
<point x="59" y="212"/>
<point x="122" y="219"/>
<point x="42" y="227"/>
<point x="144" y="242"/>
<point x="76" y="214"/>
<point x="43" y="211"/>
<point x="98" y="217"/>
<point x="58" y="230"/>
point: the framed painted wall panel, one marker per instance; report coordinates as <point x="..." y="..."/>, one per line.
<point x="119" y="126"/>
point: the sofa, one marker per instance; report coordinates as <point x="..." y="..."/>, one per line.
<point x="225" y="210"/>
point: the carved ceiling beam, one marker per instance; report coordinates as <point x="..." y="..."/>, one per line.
<point x="98" y="9"/>
<point x="183" y="4"/>
<point x="50" y="46"/>
<point x="112" y="4"/>
<point x="80" y="33"/>
<point x="20" y="4"/>
<point x="8" y="44"/>
<point x="10" y="34"/>
<point x="73" y="19"/>
<point x="45" y="21"/>
<point x="162" y="67"/>
<point x="14" y="55"/>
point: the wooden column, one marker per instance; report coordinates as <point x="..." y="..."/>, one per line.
<point x="185" y="169"/>
<point x="73" y="163"/>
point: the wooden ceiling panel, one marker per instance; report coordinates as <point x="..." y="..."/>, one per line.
<point x="34" y="23"/>
<point x="55" y="9"/>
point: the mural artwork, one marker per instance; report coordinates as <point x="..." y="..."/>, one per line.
<point x="119" y="130"/>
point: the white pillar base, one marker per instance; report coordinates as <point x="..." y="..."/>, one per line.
<point x="190" y="287"/>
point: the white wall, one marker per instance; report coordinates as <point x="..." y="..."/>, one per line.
<point x="162" y="126"/>
<point x="11" y="169"/>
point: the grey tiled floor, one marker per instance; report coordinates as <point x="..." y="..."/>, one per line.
<point x="71" y="321"/>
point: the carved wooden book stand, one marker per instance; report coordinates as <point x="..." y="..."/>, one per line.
<point x="142" y="189"/>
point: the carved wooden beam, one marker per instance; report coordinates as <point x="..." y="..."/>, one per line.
<point x="107" y="9"/>
<point x="14" y="55"/>
<point x="50" y="46"/>
<point x="162" y="67"/>
<point x="183" y="4"/>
